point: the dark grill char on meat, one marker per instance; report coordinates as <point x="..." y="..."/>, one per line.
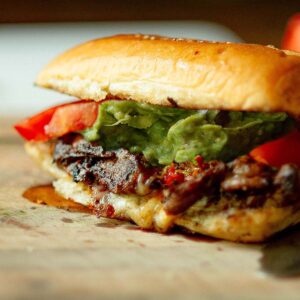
<point x="242" y="183"/>
<point x="116" y="171"/>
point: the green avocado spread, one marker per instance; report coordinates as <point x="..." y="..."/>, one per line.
<point x="165" y="134"/>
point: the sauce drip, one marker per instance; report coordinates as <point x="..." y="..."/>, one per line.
<point x="46" y="195"/>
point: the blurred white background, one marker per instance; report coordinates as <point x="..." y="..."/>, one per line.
<point x="26" y="48"/>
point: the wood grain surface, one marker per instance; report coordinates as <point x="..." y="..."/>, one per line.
<point x="48" y="253"/>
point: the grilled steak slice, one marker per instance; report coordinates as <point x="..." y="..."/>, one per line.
<point x="117" y="171"/>
<point x="180" y="197"/>
<point x="242" y="183"/>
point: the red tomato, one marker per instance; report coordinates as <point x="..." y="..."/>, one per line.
<point x="34" y="128"/>
<point x="58" y="120"/>
<point x="291" y="39"/>
<point x="279" y="152"/>
<point x="73" y="117"/>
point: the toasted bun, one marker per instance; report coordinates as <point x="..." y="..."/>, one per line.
<point x="242" y="225"/>
<point x="187" y="73"/>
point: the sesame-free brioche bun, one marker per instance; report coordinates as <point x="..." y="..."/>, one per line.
<point x="190" y="74"/>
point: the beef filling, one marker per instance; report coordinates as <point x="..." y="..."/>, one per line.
<point x="180" y="197"/>
<point x="242" y="183"/>
<point x="116" y="171"/>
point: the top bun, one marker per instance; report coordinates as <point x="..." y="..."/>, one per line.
<point x="185" y="73"/>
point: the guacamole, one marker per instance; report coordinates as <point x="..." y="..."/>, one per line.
<point x="165" y="134"/>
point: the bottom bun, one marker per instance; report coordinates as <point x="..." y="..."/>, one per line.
<point x="239" y="225"/>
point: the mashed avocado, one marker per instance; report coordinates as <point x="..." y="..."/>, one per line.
<point x="165" y="134"/>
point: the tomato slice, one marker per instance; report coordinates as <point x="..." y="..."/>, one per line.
<point x="73" y="117"/>
<point x="281" y="151"/>
<point x="291" y="39"/>
<point x="34" y="128"/>
<point x="58" y="120"/>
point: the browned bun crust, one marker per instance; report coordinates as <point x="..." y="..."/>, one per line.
<point x="188" y="73"/>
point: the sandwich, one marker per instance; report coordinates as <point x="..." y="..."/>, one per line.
<point x="175" y="133"/>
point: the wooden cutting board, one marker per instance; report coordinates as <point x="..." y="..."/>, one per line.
<point x="49" y="253"/>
